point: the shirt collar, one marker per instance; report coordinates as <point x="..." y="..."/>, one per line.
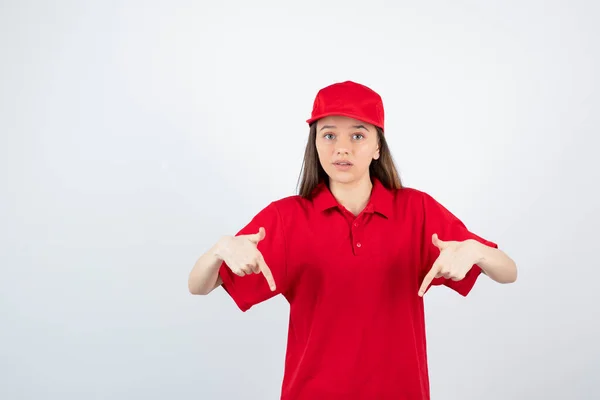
<point x="381" y="200"/>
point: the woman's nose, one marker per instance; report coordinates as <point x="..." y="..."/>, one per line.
<point x="341" y="151"/>
<point x="342" y="147"/>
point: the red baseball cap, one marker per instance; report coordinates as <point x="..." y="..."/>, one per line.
<point x="349" y="99"/>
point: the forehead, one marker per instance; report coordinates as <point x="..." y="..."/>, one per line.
<point x="341" y="122"/>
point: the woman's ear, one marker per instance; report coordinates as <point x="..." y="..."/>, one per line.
<point x="376" y="155"/>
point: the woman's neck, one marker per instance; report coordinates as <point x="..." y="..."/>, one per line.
<point x="354" y="196"/>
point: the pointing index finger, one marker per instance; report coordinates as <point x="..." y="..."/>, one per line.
<point x="266" y="271"/>
<point x="428" y="279"/>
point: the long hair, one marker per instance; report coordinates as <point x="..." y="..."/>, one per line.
<point x="312" y="172"/>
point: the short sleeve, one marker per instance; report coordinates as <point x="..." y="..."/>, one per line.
<point x="438" y="219"/>
<point x="252" y="289"/>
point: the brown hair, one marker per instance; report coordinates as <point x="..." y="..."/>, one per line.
<point x="312" y="172"/>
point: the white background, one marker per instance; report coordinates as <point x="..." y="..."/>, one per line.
<point x="135" y="134"/>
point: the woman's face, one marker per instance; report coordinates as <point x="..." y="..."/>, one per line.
<point x="346" y="148"/>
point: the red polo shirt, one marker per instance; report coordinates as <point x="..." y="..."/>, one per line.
<point x="356" y="325"/>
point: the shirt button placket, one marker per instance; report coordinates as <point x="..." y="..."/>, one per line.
<point x="357" y="237"/>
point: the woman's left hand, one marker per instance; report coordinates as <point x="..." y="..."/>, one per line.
<point x="455" y="260"/>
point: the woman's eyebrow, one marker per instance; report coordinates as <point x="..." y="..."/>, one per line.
<point x="354" y="127"/>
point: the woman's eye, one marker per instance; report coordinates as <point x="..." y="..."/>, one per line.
<point x="360" y="136"/>
<point x="328" y="136"/>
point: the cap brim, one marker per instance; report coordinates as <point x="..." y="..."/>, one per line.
<point x="343" y="114"/>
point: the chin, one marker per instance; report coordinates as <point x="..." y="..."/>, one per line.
<point x="341" y="177"/>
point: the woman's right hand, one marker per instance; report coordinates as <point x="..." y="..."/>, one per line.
<point x="241" y="255"/>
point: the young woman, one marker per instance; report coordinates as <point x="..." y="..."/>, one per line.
<point x="353" y="253"/>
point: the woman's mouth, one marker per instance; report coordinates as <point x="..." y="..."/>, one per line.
<point x="343" y="165"/>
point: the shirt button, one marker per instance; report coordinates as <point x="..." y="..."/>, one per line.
<point x="356" y="224"/>
<point x="358" y="244"/>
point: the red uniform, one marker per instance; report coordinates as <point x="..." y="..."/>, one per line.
<point x="356" y="327"/>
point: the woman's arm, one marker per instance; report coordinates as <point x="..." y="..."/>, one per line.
<point x="204" y="277"/>
<point x="494" y="262"/>
<point x="241" y="256"/>
<point x="457" y="258"/>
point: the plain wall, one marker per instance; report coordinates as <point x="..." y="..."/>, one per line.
<point x="135" y="134"/>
